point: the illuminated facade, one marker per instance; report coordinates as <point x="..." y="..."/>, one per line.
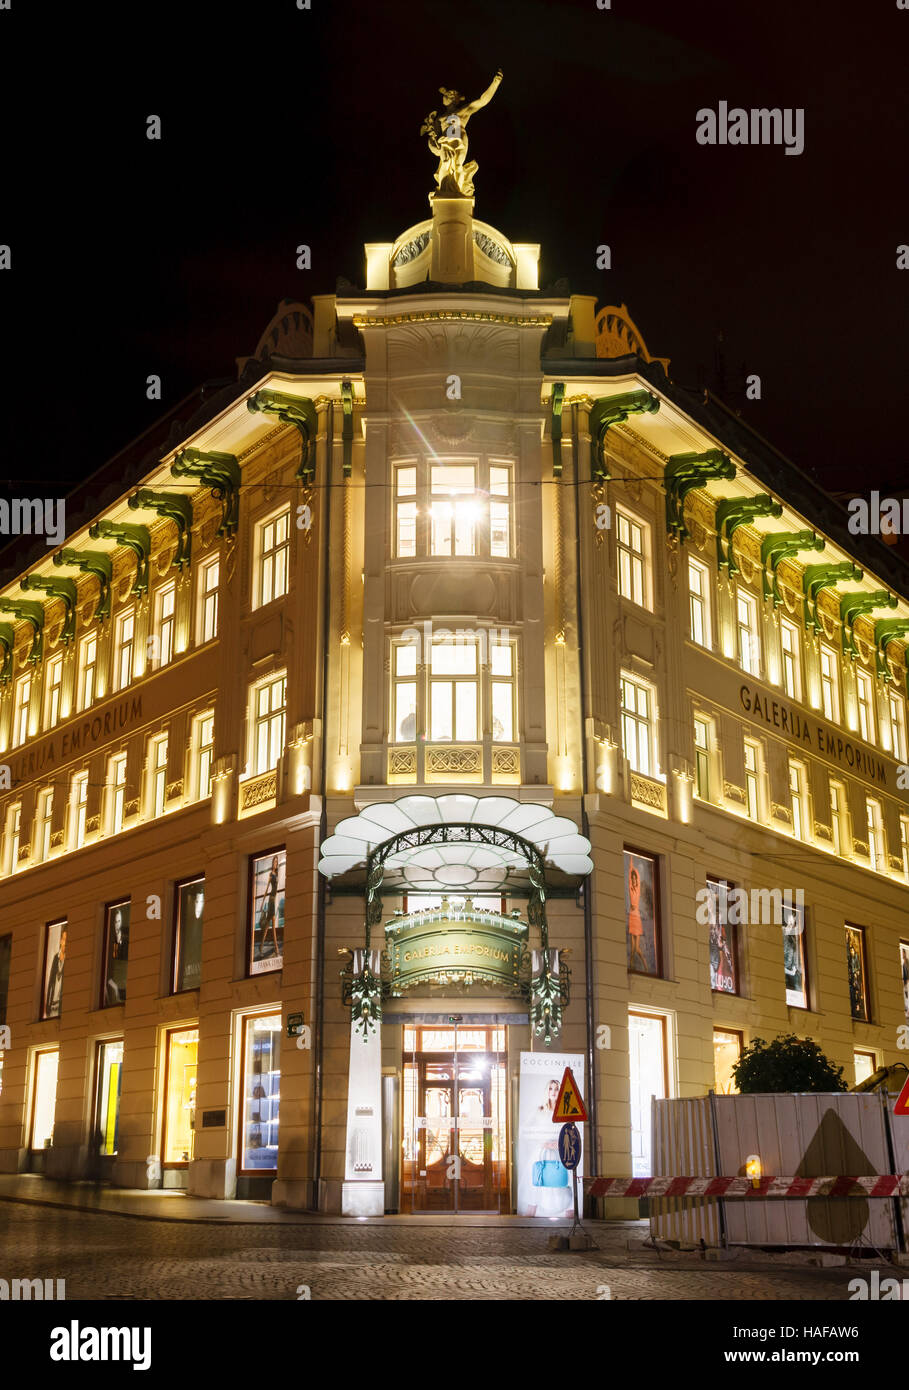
<point x="452" y="697"/>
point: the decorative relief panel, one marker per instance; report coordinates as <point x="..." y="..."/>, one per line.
<point x="648" y="792"/>
<point x="402" y="762"/>
<point x="259" y="790"/>
<point x="734" y="793"/>
<point x="457" y="761"/>
<point x="506" y="762"/>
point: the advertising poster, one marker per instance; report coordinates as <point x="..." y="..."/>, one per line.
<point x="640" y="913"/>
<point x="904" y="974"/>
<point x="116" y="954"/>
<point x="858" y="982"/>
<point x="722" y="949"/>
<point x="54" y="958"/>
<point x="794" y="956"/>
<point x="267" y="911"/>
<point x="544" y="1185"/>
<point x="190" y="915"/>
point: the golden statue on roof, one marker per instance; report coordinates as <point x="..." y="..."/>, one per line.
<point x="447" y="132"/>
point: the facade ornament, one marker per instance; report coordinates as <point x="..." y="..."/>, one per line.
<point x="683" y="473"/>
<point x="733" y="512"/>
<point x="176" y="508"/>
<point x="776" y="547"/>
<point x="447" y="137"/>
<point x="96" y="562"/>
<point x="852" y="606"/>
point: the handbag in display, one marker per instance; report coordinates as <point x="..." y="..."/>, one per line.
<point x="259" y="1092"/>
<point x="255" y="1139"/>
<point x="549" y="1172"/>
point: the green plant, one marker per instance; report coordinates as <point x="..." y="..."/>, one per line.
<point x="788" y="1064"/>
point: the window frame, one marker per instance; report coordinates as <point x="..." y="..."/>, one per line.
<point x="867" y="725"/>
<point x="866" y="981"/>
<point x="702" y="601"/>
<point x="272" y="558"/>
<point x="649" y="722"/>
<point x="208" y="597"/>
<point x="53" y="691"/>
<point x="830" y="680"/>
<point x="124" y="645"/>
<point x="258" y="722"/>
<point x="793" y="631"/>
<point x="165" y="622"/>
<point x="746" y="599"/>
<point x="637" y="562"/>
<point x="87" y="670"/>
<point x="78" y="808"/>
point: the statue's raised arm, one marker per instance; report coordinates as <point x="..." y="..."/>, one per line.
<point x="467" y="111"/>
<point x="447" y="139"/>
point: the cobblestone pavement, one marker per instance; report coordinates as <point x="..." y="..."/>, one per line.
<point x="115" y="1257"/>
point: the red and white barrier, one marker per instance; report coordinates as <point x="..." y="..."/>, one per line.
<point x="884" y="1185"/>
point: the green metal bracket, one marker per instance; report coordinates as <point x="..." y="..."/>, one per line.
<point x="94" y="562"/>
<point x="852" y="606"/>
<point x="7" y="642"/>
<point x="220" y="472"/>
<point x="135" y="538"/>
<point x="612" y="410"/>
<point x="684" y="472"/>
<point x="556" y="401"/>
<point x="177" y="509"/>
<point x="28" y="612"/>
<point x="300" y="412"/>
<point x="887" y="630"/>
<point x="347" y="406"/>
<point x="734" y="512"/>
<point x="64" y="589"/>
<point x="818" y="577"/>
<point x="779" y="547"/>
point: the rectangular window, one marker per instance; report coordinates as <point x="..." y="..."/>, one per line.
<point x="54" y="959"/>
<point x="727" y="1049"/>
<point x="794" y="956"/>
<point x="123" y="649"/>
<point x="864" y="1063"/>
<point x="753" y="780"/>
<point x="13" y="833"/>
<point x="189" y="899"/>
<point x="53" y="690"/>
<point x="904" y="975"/>
<point x="648" y="1066"/>
<point x="157" y="772"/>
<point x="897" y="725"/>
<point x="267" y="877"/>
<point x="78" y="809"/>
<point x="642" y="925"/>
<point x="749" y="647"/>
<point x="165" y="600"/>
<point x="204" y="740"/>
<point x="88" y="659"/>
<point x="865" y="702"/>
<point x="116" y="781"/>
<point x="631" y="548"/>
<point x="904" y="844"/>
<point x="454" y="508"/>
<point x="270" y="713"/>
<point x="181" y="1060"/>
<point x="261" y="1073"/>
<point x="453" y="692"/>
<point x="116" y="954"/>
<point x="404" y="693"/>
<point x="797" y="800"/>
<point x="875" y="835"/>
<point x="830" y="684"/>
<point x="838" y="817"/>
<point x="859" y="1001"/>
<point x="501" y="667"/>
<point x="274" y="557"/>
<point x="702" y="759"/>
<point x="209" y="580"/>
<point x="20" y="709"/>
<point x="499" y="512"/>
<point x="44" y="1098"/>
<point x="638" y="725"/>
<point x="43" y="820"/>
<point x="6" y="952"/>
<point x="406" y="511"/>
<point x="723" y="943"/>
<point x="699" y="603"/>
<point x="108" y="1075"/>
<point x="791" y="659"/>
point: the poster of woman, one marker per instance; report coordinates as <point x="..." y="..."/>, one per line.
<point x="722" y="951"/>
<point x="54" y="958"/>
<point x="640" y="913"/>
<point x="904" y="974"/>
<point x="267" y="912"/>
<point x="858" y="981"/>
<point x="116" y="954"/>
<point x="794" y="956"/>
<point x="190" y="915"/>
<point x="544" y="1185"/>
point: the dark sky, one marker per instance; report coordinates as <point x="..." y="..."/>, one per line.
<point x="282" y="126"/>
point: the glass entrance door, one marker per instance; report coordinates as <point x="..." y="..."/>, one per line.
<point x="455" y="1136"/>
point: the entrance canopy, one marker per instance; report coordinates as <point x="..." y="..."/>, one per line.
<point x="467" y="844"/>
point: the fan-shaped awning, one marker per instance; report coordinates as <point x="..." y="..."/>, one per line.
<point x="471" y="844"/>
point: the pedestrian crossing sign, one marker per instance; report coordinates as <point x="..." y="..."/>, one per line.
<point x="570" y="1105"/>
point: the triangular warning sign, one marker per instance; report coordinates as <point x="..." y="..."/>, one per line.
<point x="902" y="1101"/>
<point x="570" y="1105"/>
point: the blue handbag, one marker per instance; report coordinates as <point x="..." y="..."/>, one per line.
<point x="549" y="1172"/>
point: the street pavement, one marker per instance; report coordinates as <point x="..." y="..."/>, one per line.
<point x="106" y="1255"/>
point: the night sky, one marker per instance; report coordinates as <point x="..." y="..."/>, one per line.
<point x="283" y="126"/>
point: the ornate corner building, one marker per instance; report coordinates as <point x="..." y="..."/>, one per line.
<point x="451" y="699"/>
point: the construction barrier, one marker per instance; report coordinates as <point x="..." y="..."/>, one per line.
<point x="882" y="1185"/>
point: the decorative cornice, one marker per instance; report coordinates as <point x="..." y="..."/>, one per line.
<point x="556" y="402"/>
<point x="818" y="577"/>
<point x="886" y="630"/>
<point x="7" y="642"/>
<point x="685" y="472"/>
<point x="95" y="562"/>
<point x="613" y="410"/>
<point x="135" y="538"/>
<point x="29" y="612"/>
<point x="177" y="509"/>
<point x="298" y="411"/>
<point x="852" y="605"/>
<point x="733" y="512"/>
<point x="217" y="471"/>
<point x="452" y="315"/>
<point x="776" y="547"/>
<point x="64" y="589"/>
